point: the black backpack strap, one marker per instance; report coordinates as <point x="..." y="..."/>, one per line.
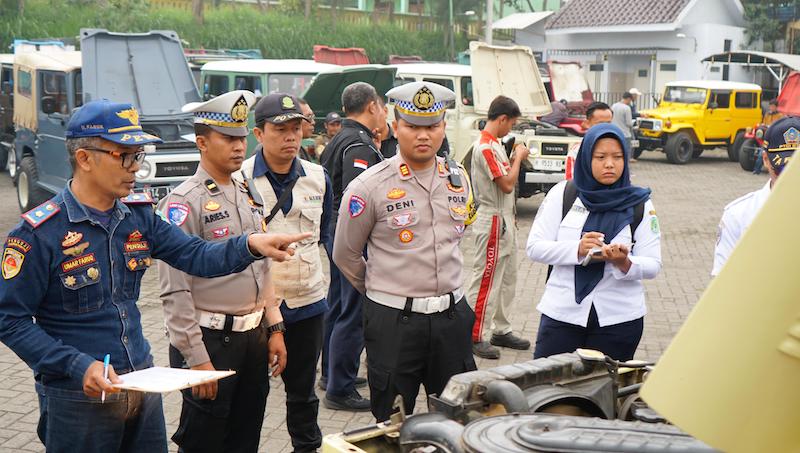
<point x="638" y="215"/>
<point x="570" y="195"/>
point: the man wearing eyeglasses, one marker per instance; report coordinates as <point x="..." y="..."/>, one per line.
<point x="72" y="270"/>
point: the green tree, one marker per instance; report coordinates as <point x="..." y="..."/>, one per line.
<point x="761" y="26"/>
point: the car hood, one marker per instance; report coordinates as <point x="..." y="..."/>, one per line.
<point x="674" y="111"/>
<point x="324" y="95"/>
<point x="509" y="71"/>
<point x="568" y="81"/>
<point x="147" y="70"/>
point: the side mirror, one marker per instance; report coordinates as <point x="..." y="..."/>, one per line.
<point x="713" y="105"/>
<point x="481" y="124"/>
<point x="48" y="105"/>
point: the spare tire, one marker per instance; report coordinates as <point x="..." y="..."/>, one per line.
<point x="747" y="154"/>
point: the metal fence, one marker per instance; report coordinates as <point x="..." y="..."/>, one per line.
<point x="643" y="101"/>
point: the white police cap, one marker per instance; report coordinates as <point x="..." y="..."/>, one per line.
<point x="226" y="113"/>
<point x="421" y="103"/>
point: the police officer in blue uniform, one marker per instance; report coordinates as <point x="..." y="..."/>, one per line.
<point x="75" y="264"/>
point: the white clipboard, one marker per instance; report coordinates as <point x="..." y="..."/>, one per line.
<point x="164" y="380"/>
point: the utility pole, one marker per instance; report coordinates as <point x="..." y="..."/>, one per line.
<point x="489" y="14"/>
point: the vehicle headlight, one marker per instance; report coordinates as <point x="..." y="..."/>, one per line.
<point x="759" y="133"/>
<point x="144" y="170"/>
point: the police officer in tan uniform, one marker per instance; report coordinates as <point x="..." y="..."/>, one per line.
<point x="231" y="322"/>
<point x="409" y="211"/>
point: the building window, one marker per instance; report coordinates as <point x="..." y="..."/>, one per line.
<point x="643" y="73"/>
<point x="722" y="98"/>
<point x="24" y="83"/>
<point x="714" y="69"/>
<point x="668" y="67"/>
<point x="353" y="4"/>
<point x="416" y="7"/>
<point x="746" y="100"/>
<point x="597" y="67"/>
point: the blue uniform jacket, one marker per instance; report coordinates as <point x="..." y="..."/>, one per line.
<point x="69" y="288"/>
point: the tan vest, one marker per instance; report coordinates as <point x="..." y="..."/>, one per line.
<point x="298" y="281"/>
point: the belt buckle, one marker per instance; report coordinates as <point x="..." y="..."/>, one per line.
<point x="434" y="304"/>
<point x="214" y="322"/>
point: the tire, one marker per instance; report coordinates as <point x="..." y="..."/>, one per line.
<point x="735" y="147"/>
<point x="11" y="165"/>
<point x="696" y="152"/>
<point x="747" y="155"/>
<point x="29" y="194"/>
<point x="679" y="148"/>
<point x="4" y="153"/>
<point x="637" y="152"/>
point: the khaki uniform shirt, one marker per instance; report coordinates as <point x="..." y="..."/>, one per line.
<point x="411" y="225"/>
<point x="489" y="162"/>
<point x="215" y="213"/>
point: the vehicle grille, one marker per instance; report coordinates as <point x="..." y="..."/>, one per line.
<point x="645" y="124"/>
<point x="173" y="169"/>
<point x="554" y="149"/>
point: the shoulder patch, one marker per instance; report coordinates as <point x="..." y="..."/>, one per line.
<point x="356" y="205"/>
<point x="41" y="213"/>
<point x="177" y="213"/>
<point x="138" y="198"/>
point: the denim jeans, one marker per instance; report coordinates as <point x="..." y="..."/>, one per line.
<point x="71" y="422"/>
<point x="758" y="165"/>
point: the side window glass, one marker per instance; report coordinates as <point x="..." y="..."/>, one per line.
<point x="250" y="83"/>
<point x="215" y="85"/>
<point x="53" y="96"/>
<point x="7" y="81"/>
<point x="78" y="89"/>
<point x="722" y="98"/>
<point x="745" y="100"/>
<point x="24" y="83"/>
<point x="466" y="91"/>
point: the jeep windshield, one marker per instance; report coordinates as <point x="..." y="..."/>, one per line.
<point x="294" y="84"/>
<point x="685" y="95"/>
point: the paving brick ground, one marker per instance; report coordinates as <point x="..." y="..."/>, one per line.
<point x="689" y="200"/>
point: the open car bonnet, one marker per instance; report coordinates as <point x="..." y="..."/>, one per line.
<point x="569" y="82"/>
<point x="510" y="71"/>
<point x="324" y="95"/>
<point x="147" y="70"/>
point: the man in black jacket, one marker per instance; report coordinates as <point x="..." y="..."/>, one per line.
<point x="347" y="155"/>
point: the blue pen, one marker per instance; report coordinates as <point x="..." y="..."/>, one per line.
<point x="106" y="360"/>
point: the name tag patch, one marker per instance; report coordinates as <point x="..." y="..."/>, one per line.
<point x="80" y="261"/>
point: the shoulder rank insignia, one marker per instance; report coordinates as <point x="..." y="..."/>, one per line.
<point x="39" y="214"/>
<point x="212" y="187"/>
<point x="138" y="198"/>
<point x="404" y="170"/>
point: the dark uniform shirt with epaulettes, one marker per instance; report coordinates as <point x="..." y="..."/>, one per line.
<point x="348" y="154"/>
<point x="201" y="207"/>
<point x="80" y="281"/>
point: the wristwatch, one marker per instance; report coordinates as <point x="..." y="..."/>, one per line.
<point x="277" y="327"/>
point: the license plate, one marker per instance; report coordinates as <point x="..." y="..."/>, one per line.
<point x="634" y="143"/>
<point x="548" y="164"/>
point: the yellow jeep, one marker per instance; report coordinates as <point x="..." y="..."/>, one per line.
<point x="697" y="115"/>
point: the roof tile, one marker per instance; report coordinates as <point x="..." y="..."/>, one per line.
<point x="604" y="13"/>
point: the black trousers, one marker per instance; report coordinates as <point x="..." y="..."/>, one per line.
<point x="406" y="349"/>
<point x="618" y="341"/>
<point x="303" y="345"/>
<point x="231" y="422"/>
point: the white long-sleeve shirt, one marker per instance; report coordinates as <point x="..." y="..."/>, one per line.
<point x="736" y="218"/>
<point x="618" y="297"/>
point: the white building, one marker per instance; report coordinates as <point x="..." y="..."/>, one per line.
<point x="644" y="44"/>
